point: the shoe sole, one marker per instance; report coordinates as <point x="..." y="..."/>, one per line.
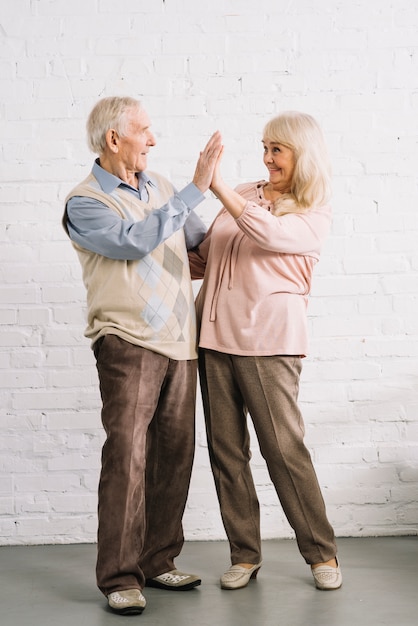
<point x="130" y="610"/>
<point x="328" y="588"/>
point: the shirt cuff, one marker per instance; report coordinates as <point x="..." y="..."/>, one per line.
<point x="191" y="195"/>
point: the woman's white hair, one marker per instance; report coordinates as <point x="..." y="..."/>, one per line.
<point x="311" y="181"/>
<point x="108" y="113"/>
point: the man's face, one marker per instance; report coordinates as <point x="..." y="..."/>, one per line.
<point x="133" y="149"/>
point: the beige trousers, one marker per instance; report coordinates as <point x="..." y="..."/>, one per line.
<point x="268" y="388"/>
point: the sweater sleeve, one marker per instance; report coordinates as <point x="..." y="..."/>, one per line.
<point x="293" y="233"/>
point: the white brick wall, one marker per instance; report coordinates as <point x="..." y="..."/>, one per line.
<point x="199" y="66"/>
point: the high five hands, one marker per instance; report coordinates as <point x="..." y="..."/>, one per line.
<point x="207" y="175"/>
<point x="208" y="162"/>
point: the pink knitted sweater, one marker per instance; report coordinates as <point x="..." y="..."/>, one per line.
<point x="257" y="273"/>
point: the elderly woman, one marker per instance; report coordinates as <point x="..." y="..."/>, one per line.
<point x="257" y="261"/>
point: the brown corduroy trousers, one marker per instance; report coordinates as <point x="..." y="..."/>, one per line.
<point x="267" y="387"/>
<point x="148" y="416"/>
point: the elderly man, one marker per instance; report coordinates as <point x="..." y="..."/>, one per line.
<point x="131" y="230"/>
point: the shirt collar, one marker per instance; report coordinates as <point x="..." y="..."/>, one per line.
<point x="109" y="182"/>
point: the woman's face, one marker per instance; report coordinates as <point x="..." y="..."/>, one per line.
<point x="280" y="162"/>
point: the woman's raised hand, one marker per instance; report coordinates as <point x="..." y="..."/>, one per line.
<point x="217" y="180"/>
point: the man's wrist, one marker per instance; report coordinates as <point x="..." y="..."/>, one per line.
<point x="191" y="195"/>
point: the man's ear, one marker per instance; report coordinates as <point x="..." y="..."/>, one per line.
<point x="112" y="140"/>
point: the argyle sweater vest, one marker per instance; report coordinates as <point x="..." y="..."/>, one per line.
<point x="148" y="302"/>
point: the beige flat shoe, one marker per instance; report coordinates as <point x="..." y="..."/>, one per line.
<point x="237" y="576"/>
<point x="127" y="602"/>
<point x="327" y="577"/>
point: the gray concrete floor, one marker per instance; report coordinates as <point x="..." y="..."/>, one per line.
<point x="55" y="586"/>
